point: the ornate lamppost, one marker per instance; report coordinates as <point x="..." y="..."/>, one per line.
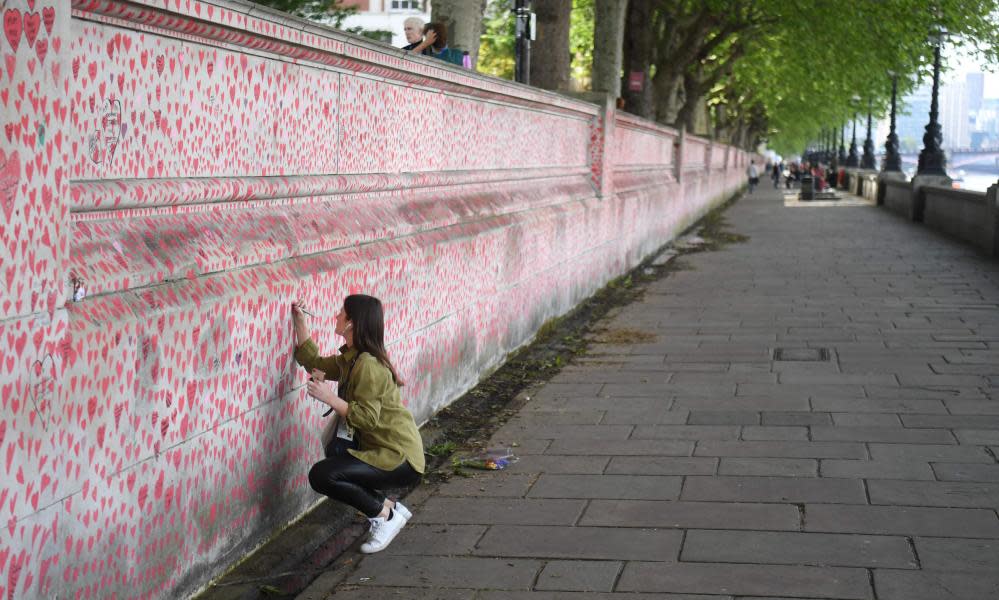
<point x="853" y="160"/>
<point x="867" y="162"/>
<point x="893" y="160"/>
<point x="931" y="159"/>
<point x="842" y="140"/>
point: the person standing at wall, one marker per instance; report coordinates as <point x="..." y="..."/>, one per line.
<point x="375" y="444"/>
<point x="413" y="30"/>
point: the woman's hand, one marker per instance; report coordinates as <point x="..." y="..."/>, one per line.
<point x="301" y="323"/>
<point x="428" y="40"/>
<point x="320" y="390"/>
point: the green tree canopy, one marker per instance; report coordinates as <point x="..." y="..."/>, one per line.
<point x="785" y="70"/>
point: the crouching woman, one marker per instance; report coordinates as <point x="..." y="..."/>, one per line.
<point x="376" y="444"/>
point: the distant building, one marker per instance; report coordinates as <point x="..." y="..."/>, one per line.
<point x="913" y="115"/>
<point x="954" y="115"/>
<point x="387" y="15"/>
<point x="975" y="83"/>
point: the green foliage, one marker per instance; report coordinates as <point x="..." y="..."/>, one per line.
<point x="330" y="11"/>
<point x="786" y="70"/>
<point x="496" y="46"/>
<point x="442" y="449"/>
<point x="821" y="62"/>
<point x="581" y="42"/>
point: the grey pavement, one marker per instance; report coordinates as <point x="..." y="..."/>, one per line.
<point x="693" y="465"/>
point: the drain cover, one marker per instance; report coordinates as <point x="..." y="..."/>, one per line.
<point x="801" y="354"/>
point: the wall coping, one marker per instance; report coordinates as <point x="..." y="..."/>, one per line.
<point x="955" y="193"/>
<point x="260" y="29"/>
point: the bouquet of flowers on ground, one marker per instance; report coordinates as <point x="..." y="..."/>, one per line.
<point x="492" y="459"/>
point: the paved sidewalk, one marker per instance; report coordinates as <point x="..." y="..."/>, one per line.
<point x="693" y="465"/>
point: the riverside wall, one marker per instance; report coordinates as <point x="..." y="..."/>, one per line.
<point x="186" y="169"/>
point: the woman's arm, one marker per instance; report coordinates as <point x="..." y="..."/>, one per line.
<point x="320" y="390"/>
<point x="369" y="380"/>
<point x="428" y="41"/>
<point x="306" y="351"/>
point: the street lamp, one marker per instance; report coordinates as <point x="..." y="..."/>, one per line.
<point x="522" y="41"/>
<point x="893" y="160"/>
<point x="853" y="160"/>
<point x="931" y="159"/>
<point x="842" y="141"/>
<point x="868" y="160"/>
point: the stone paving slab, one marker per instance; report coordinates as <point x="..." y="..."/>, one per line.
<point x="782" y="449"/>
<point x="818" y="549"/>
<point x="934" y="585"/>
<point x="697" y="467"/>
<point x="950" y="554"/>
<point x="614" y="487"/>
<point x="448" y="572"/>
<point x="935" y="493"/>
<point x="747" y="579"/>
<point x="598" y="543"/>
<point x="773" y="489"/>
<point x="877" y="469"/>
<point x="902" y="520"/>
<point x="661" y="465"/>
<point x="691" y="515"/>
<point x="579" y="576"/>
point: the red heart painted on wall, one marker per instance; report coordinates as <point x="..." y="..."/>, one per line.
<point x="32" y="23"/>
<point x="10" y="176"/>
<point x="48" y="17"/>
<point x="41" y="49"/>
<point x="12" y="27"/>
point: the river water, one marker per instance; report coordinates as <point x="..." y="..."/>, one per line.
<point x="979" y="182"/>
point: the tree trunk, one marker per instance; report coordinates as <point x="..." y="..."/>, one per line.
<point x="637" y="57"/>
<point x="691" y="97"/>
<point x="550" y="59"/>
<point x="667" y="89"/>
<point x="608" y="41"/>
<point x="463" y="19"/>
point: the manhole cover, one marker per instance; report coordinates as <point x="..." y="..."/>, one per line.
<point x="801" y="354"/>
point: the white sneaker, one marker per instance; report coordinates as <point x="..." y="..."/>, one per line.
<point x="383" y="531"/>
<point x="402" y="510"/>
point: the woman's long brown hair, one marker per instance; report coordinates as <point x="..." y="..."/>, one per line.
<point x="365" y="312"/>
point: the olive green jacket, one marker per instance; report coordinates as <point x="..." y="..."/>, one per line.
<point x="388" y="434"/>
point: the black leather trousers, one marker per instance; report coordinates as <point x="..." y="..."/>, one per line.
<point x="355" y="482"/>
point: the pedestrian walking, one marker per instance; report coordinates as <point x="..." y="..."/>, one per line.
<point x="775" y="175"/>
<point x="753" y="174"/>
<point x="372" y="443"/>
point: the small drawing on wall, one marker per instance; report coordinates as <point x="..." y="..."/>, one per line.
<point x="102" y="143"/>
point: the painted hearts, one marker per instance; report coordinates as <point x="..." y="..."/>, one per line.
<point x="48" y="18"/>
<point x="10" y="176"/>
<point x="12" y="27"/>
<point x="32" y="23"/>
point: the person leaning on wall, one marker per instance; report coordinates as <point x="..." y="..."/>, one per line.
<point x="413" y="30"/>
<point x="372" y="443"/>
